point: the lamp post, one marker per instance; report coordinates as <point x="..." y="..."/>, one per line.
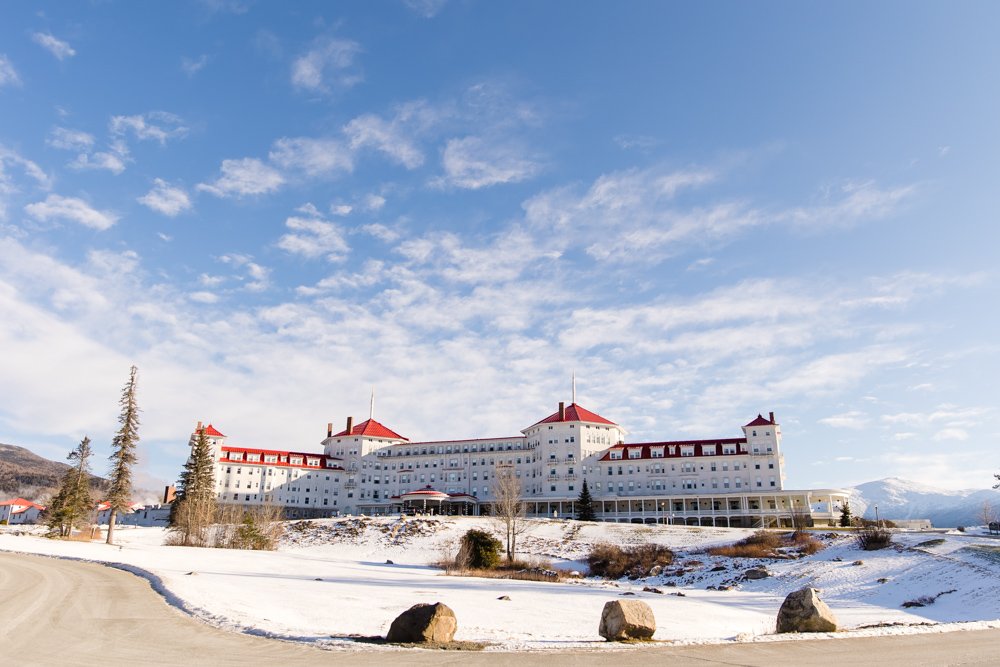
<point x="876" y="518"/>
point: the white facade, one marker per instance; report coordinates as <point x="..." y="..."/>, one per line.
<point x="19" y="511"/>
<point x="368" y="468"/>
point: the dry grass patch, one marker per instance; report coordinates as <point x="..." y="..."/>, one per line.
<point x="766" y="544"/>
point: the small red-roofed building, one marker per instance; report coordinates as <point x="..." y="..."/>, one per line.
<point x="19" y="511"/>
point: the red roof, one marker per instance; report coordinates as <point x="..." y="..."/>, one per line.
<point x="761" y="421"/>
<point x="697" y="444"/>
<point x="574" y="413"/>
<point x="22" y="503"/>
<point x="372" y="428"/>
<point x="212" y="432"/>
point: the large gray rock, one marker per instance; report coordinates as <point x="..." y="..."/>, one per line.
<point x="756" y="573"/>
<point x="803" y="611"/>
<point x="424" y="623"/>
<point x="627" y="619"/>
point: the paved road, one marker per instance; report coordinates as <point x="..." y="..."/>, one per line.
<point x="57" y="612"/>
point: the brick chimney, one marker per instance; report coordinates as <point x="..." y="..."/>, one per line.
<point x="169" y="493"/>
<point x="772" y="417"/>
<point x="350" y="425"/>
<point x="197" y="429"/>
<point x="329" y="429"/>
<point x="562" y="411"/>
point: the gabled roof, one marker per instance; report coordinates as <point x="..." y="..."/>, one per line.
<point x="212" y="432"/>
<point x="761" y="421"/>
<point x="373" y="429"/>
<point x="574" y="413"/>
<point x="21" y="502"/>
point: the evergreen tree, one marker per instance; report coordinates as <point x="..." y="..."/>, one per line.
<point x="73" y="502"/>
<point x="194" y="505"/>
<point x="845" y="515"/>
<point x="123" y="455"/>
<point x="585" y="505"/>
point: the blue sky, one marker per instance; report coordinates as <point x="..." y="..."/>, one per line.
<point x="706" y="211"/>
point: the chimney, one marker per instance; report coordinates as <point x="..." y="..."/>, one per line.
<point x="197" y="429"/>
<point x="329" y="429"/>
<point x="772" y="417"/>
<point x="350" y="425"/>
<point x="562" y="411"/>
<point x="169" y="493"/>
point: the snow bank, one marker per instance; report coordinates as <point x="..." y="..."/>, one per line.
<point x="330" y="579"/>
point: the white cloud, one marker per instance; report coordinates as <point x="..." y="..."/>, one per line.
<point x="314" y="237"/>
<point x="53" y="45"/>
<point x="373" y="202"/>
<point x="328" y="65"/>
<point x="211" y="281"/>
<point x="192" y="66"/>
<point x="386" y="137"/>
<point x="473" y="163"/>
<point x="160" y="126"/>
<point x="858" y="201"/>
<point x="113" y="162"/>
<point x="952" y="434"/>
<point x="256" y="277"/>
<point x="314" y="157"/>
<point x="165" y="198"/>
<point x="852" y="420"/>
<point x="56" y="207"/>
<point x="380" y="231"/>
<point x="426" y="8"/>
<point x="9" y="184"/>
<point x="70" y="140"/>
<point x="342" y="210"/>
<point x="241" y="178"/>
<point x="8" y="75"/>
<point x="204" y="297"/>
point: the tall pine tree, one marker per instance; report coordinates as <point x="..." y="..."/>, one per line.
<point x="123" y="455"/>
<point x="73" y="503"/>
<point x="193" y="509"/>
<point x="585" y="505"/>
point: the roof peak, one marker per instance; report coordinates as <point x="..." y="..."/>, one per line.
<point x="574" y="413"/>
<point x="372" y="428"/>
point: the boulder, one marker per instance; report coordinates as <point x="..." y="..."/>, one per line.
<point x="423" y="623"/>
<point x="757" y="573"/>
<point x="803" y="611"/>
<point x="627" y="619"/>
<point x="655" y="570"/>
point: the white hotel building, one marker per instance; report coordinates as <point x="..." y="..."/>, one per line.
<point x="368" y="468"/>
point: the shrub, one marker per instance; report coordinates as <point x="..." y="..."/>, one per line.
<point x="872" y="538"/>
<point x="479" y="550"/>
<point x="613" y="562"/>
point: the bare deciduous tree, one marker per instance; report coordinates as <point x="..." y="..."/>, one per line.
<point x="987" y="514"/>
<point x="508" y="508"/>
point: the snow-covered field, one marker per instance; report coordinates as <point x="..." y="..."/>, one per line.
<point x="330" y="579"/>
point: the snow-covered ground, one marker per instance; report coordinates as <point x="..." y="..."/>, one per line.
<point x="331" y="579"/>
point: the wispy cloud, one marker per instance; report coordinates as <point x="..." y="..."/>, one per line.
<point x="56" y="207"/>
<point x="242" y="178"/>
<point x="853" y="420"/>
<point x="159" y="126"/>
<point x="474" y="162"/>
<point x="8" y="75"/>
<point x="69" y="140"/>
<point x="313" y="157"/>
<point x="192" y="66"/>
<point x="327" y="66"/>
<point x="311" y="236"/>
<point x="101" y="160"/>
<point x="387" y="137"/>
<point x="57" y="47"/>
<point x="167" y="199"/>
<point x="426" y="8"/>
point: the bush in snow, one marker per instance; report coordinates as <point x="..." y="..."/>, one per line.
<point x="872" y="538"/>
<point x="613" y="562"/>
<point x="479" y="550"/>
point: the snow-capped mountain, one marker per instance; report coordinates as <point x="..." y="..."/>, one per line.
<point x="902" y="499"/>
